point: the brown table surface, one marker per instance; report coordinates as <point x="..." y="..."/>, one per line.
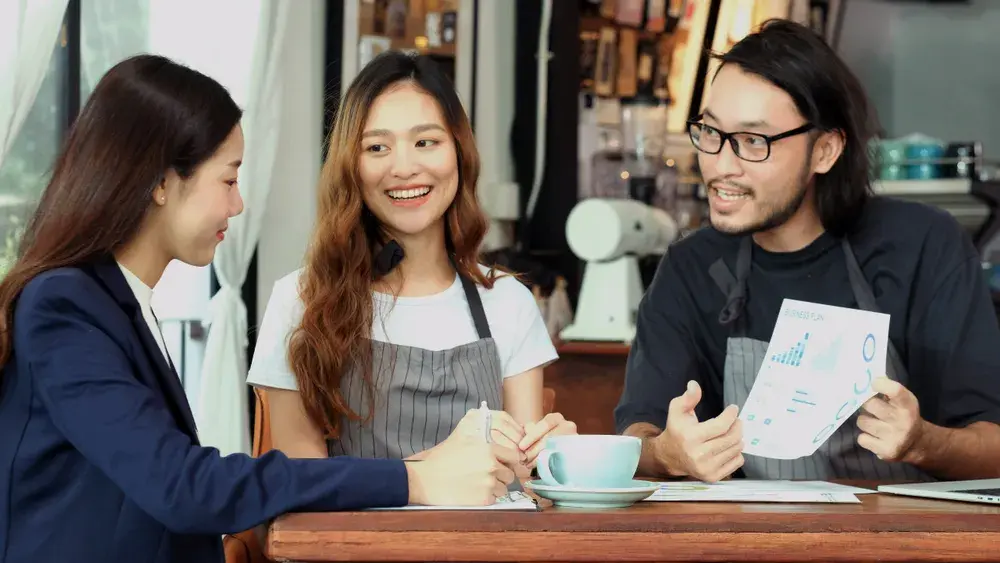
<point x="881" y="528"/>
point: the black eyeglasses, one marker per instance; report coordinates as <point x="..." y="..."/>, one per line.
<point x="752" y="147"/>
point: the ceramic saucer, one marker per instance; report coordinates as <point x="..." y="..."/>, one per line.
<point x="590" y="497"/>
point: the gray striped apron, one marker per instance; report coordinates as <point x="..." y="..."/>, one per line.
<point x="420" y="395"/>
<point x="840" y="457"/>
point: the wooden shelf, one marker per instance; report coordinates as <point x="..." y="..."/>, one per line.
<point x="593" y="348"/>
<point x="444" y="51"/>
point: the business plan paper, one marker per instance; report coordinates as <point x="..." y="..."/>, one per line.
<point x="820" y="365"/>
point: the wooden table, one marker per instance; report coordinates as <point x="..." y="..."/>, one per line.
<point x="881" y="528"/>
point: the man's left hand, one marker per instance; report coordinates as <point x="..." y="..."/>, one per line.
<point x="535" y="434"/>
<point x="890" y="422"/>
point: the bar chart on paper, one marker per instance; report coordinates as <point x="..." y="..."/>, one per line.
<point x="817" y="372"/>
<point x="792" y="356"/>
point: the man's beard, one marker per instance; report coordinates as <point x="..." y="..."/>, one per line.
<point x="777" y="215"/>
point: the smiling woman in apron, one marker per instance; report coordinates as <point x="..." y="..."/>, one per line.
<point x="783" y="149"/>
<point x="393" y="332"/>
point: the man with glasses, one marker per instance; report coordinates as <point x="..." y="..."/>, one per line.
<point x="783" y="149"/>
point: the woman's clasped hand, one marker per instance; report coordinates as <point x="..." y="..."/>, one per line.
<point x="467" y="470"/>
<point x="528" y="439"/>
<point x="464" y="469"/>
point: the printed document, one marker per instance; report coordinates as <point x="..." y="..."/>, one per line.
<point x="818" y="371"/>
<point x="748" y="490"/>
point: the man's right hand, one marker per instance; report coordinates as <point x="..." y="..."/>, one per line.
<point x="708" y="451"/>
<point x="462" y="471"/>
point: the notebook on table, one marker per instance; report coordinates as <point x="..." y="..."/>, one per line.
<point x="515" y="499"/>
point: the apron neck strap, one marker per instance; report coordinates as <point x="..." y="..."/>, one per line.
<point x="862" y="289"/>
<point x="474" y="300"/>
<point x="392" y="254"/>
<point x="735" y="289"/>
<point x="476" y="307"/>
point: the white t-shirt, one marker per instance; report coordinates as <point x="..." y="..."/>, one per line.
<point x="435" y="322"/>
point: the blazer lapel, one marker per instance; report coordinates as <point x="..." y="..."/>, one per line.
<point x="110" y="274"/>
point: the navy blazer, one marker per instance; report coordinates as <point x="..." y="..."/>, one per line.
<point x="99" y="459"/>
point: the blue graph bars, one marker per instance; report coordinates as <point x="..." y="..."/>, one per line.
<point x="793" y="356"/>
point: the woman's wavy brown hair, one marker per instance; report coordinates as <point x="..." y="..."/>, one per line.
<point x="338" y="277"/>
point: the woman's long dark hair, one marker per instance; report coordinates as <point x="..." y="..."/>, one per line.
<point x="146" y="116"/>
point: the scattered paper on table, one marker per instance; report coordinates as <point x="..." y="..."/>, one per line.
<point x="747" y="490"/>
<point x="514" y="500"/>
<point x="820" y="364"/>
<point x="774" y="497"/>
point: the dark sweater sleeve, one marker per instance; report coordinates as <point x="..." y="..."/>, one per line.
<point x="87" y="386"/>
<point x="662" y="357"/>
<point x="954" y="356"/>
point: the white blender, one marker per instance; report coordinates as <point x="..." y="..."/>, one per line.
<point x="610" y="235"/>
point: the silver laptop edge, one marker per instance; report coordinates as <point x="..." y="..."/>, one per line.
<point x="963" y="491"/>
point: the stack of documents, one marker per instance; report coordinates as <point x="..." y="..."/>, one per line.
<point x="748" y="490"/>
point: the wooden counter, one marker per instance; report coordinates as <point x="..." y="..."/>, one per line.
<point x="588" y="379"/>
<point x="881" y="528"/>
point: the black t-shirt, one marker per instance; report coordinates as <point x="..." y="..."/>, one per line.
<point x="923" y="269"/>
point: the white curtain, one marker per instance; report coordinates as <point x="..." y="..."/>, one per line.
<point x="110" y="31"/>
<point x="28" y="32"/>
<point x="222" y="414"/>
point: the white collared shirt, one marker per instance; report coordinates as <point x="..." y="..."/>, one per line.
<point x="144" y="295"/>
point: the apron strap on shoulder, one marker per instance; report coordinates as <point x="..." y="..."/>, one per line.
<point x="731" y="288"/>
<point x="476" y="307"/>
<point x="722" y="277"/>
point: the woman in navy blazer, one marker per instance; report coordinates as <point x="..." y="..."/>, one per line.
<point x="99" y="455"/>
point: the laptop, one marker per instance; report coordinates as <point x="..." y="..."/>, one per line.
<point x="985" y="491"/>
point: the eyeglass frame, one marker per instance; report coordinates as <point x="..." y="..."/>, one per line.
<point x="728" y="136"/>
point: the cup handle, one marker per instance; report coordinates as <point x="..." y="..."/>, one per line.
<point x="544" y="470"/>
